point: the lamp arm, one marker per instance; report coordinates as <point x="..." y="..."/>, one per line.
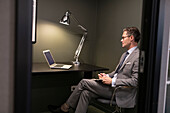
<point x="77" y="53"/>
<point x="84" y="29"/>
<point x="79" y="25"/>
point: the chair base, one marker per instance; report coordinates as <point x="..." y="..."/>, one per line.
<point x="111" y="103"/>
<point x="104" y="107"/>
<point x="117" y="110"/>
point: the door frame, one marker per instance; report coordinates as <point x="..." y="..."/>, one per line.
<point x="151" y="45"/>
<point x="23" y="56"/>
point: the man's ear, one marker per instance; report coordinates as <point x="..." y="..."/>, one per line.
<point x="132" y="37"/>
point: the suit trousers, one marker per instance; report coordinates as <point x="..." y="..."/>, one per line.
<point x="85" y="91"/>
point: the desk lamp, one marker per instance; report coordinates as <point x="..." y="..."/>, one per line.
<point x="66" y="21"/>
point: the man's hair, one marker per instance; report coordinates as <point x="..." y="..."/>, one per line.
<point x="133" y="31"/>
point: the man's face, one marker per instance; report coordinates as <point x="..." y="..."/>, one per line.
<point x="126" y="40"/>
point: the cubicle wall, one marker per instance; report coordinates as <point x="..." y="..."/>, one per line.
<point x="63" y="40"/>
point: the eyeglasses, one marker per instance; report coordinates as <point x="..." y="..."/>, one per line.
<point x="125" y="37"/>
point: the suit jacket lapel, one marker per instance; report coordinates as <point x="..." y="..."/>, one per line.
<point x="129" y="58"/>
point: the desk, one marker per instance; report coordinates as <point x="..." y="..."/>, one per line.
<point x="53" y="85"/>
<point x="39" y="68"/>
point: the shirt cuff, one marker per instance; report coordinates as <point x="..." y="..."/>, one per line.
<point x="114" y="81"/>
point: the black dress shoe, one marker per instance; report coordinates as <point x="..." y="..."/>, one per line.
<point x="55" y="109"/>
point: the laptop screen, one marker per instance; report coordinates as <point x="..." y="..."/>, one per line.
<point x="49" y="57"/>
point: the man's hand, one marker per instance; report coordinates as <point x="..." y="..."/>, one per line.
<point x="107" y="80"/>
<point x="101" y="75"/>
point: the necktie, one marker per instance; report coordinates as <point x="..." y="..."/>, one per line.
<point x="121" y="62"/>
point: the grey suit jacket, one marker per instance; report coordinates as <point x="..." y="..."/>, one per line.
<point x="127" y="76"/>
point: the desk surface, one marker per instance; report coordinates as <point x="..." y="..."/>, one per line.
<point x="44" y="68"/>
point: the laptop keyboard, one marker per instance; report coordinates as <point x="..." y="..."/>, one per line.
<point x="59" y="65"/>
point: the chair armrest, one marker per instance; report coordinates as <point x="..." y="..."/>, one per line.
<point x="116" y="88"/>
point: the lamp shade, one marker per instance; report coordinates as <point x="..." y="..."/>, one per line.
<point x="66" y="18"/>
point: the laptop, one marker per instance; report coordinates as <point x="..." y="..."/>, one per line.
<point x="50" y="60"/>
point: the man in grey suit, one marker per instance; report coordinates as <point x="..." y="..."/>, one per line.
<point x="125" y="74"/>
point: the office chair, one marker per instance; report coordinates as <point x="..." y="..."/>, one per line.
<point x="111" y="101"/>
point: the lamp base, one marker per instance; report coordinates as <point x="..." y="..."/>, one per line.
<point x="76" y="62"/>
